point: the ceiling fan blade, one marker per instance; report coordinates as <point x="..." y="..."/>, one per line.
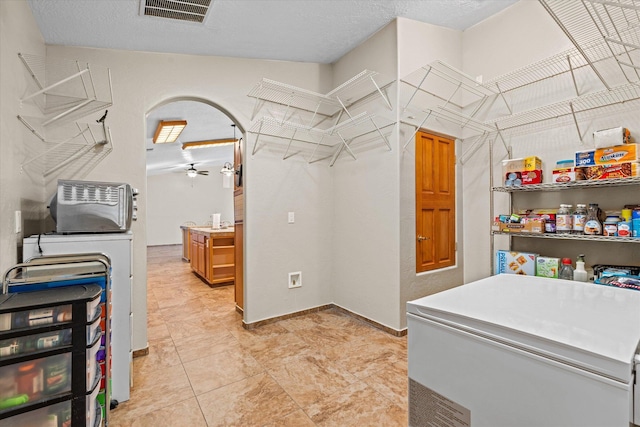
<point x="203" y="172"/>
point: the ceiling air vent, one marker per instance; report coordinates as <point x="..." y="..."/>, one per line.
<point x="181" y="10"/>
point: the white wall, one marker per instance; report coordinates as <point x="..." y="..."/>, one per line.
<point x="420" y="44"/>
<point x="142" y="81"/>
<point x="365" y="218"/>
<point x="175" y="198"/>
<point x="19" y="190"/>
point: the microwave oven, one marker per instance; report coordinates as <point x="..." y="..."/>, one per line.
<point x="93" y="207"/>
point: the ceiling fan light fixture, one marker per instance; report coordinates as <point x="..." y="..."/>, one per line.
<point x="168" y="131"/>
<point x="192" y="173"/>
<point x="208" y="143"/>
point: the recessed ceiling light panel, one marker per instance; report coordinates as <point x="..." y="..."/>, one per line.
<point x="181" y="10"/>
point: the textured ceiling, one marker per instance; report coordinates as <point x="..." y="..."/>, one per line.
<point x="319" y="31"/>
<point x="293" y="30"/>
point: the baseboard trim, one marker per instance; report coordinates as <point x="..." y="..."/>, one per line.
<point x="141" y="352"/>
<point x="370" y="322"/>
<point x="373" y="323"/>
<point x="239" y="310"/>
<point x="259" y="323"/>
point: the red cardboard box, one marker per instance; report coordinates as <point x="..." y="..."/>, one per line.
<point x="515" y="179"/>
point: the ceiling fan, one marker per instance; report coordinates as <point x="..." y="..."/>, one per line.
<point x="192" y="172"/>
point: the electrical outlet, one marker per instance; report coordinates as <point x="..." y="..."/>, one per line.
<point x="295" y="279"/>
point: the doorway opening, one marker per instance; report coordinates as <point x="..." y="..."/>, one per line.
<point x="191" y="188"/>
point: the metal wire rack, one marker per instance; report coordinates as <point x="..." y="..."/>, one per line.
<point x="585" y="237"/>
<point x="66" y="90"/>
<point x="616" y="23"/>
<point x="87" y="142"/>
<point x="319" y="109"/>
<point x="571" y="185"/>
<point x="322" y="142"/>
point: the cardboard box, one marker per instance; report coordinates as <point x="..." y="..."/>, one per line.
<point x="547" y="267"/>
<point x="609" y="155"/>
<point x="529" y="225"/>
<point x="611" y="137"/>
<point x="623" y="170"/>
<point x="567" y="175"/>
<point x="523" y="164"/>
<point x="515" y="179"/>
<point x="515" y="263"/>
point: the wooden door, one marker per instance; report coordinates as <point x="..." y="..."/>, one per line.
<point x="435" y="202"/>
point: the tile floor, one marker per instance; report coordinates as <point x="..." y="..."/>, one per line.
<point x="204" y="369"/>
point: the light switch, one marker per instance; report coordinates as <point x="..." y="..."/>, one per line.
<point x="18" y="223"/>
<point x="292" y="217"/>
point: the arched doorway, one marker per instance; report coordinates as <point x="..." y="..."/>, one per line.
<point x="184" y="180"/>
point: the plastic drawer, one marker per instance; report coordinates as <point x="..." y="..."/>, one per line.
<point x="54" y="415"/>
<point x="34" y="380"/>
<point x="33" y="343"/>
<point x="93" y="330"/>
<point x="92" y="364"/>
<point x="37" y="317"/>
<point x="93" y="406"/>
<point x="92" y="307"/>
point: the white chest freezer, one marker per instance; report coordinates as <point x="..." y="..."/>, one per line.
<point x="514" y="350"/>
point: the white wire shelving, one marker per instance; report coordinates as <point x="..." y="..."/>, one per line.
<point x="615" y="23"/>
<point x="584" y="237"/>
<point x="64" y="92"/>
<point x="553" y="186"/>
<point x="322" y="122"/>
<point x="466" y="116"/>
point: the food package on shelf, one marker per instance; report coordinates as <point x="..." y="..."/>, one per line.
<point x="608" y="155"/>
<point x="528" y="225"/>
<point x="611" y="137"/>
<point x="547" y="267"/>
<point x="530" y="163"/>
<point x="516" y="179"/>
<point x="567" y="175"/>
<point x="622" y="170"/>
<point x="508" y="262"/>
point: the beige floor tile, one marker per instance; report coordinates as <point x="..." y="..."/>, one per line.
<point x="162" y="354"/>
<point x="357" y="405"/>
<point x="169" y="376"/>
<point x="180" y="330"/>
<point x="254" y="401"/>
<point x="204" y="369"/>
<point x="309" y="378"/>
<point x="158" y="331"/>
<point x="220" y="369"/>
<point x="204" y="345"/>
<point x="181" y="414"/>
<point x="279" y="350"/>
<point x="391" y="382"/>
<point x="147" y="400"/>
<point x="295" y="419"/>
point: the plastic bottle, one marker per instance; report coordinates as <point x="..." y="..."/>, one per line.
<point x="566" y="271"/>
<point x="593" y="224"/>
<point x="625" y="228"/>
<point x="610" y="226"/>
<point x="564" y="218"/>
<point x="579" y="219"/>
<point x="580" y="273"/>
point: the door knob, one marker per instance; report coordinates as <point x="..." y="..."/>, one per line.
<point x="420" y="238"/>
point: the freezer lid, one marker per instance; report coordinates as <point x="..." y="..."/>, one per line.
<point x="594" y="327"/>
